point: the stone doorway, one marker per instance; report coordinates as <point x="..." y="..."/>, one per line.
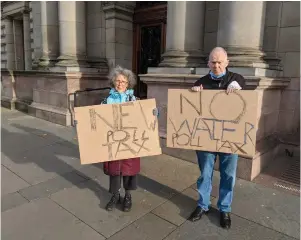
<point x="149" y="39"/>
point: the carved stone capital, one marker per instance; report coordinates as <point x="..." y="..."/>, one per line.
<point x="119" y="10"/>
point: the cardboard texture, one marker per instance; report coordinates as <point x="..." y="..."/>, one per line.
<point x="117" y="131"/>
<point x="211" y="120"/>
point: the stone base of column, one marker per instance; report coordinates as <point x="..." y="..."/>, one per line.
<point x="46" y="62"/>
<point x="72" y="61"/>
<point x="174" y="58"/>
<point x="73" y="64"/>
<point x="250" y="57"/>
<point x="99" y="63"/>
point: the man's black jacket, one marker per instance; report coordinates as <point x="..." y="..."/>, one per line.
<point x="221" y="83"/>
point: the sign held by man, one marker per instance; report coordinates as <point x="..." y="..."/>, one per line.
<point x="212" y="120"/>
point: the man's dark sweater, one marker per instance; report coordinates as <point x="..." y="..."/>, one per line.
<point x="221" y="83"/>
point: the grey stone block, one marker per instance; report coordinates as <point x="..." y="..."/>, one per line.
<point x="212" y="5"/>
<point x="211" y="21"/>
<point x="290" y="14"/>
<point x="12" y="200"/>
<point x="51" y="186"/>
<point x="208" y="228"/>
<point x="43" y="219"/>
<point x="148" y="227"/>
<point x="291" y="64"/>
<point x="289" y="39"/>
<point x="270" y="38"/>
<point x="210" y="41"/>
<point x="273" y="13"/>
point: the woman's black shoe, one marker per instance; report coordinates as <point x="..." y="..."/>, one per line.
<point x="127" y="202"/>
<point x="112" y="203"/>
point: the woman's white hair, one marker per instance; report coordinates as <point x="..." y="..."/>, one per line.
<point x="128" y="74"/>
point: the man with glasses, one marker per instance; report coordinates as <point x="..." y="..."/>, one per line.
<point x="218" y="78"/>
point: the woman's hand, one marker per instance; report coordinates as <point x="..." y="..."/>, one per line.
<point x="197" y="88"/>
<point x="156" y="112"/>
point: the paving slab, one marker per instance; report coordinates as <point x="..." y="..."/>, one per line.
<point x="177" y="209"/>
<point x="11" y="182"/>
<point x="51" y="186"/>
<point x="91" y="199"/>
<point x="48" y="130"/>
<point x="12" y="200"/>
<point x="172" y="172"/>
<point x="208" y="228"/>
<point x="15" y="140"/>
<point x="43" y="219"/>
<point x="43" y="163"/>
<point x="148" y="227"/>
<point x="268" y="207"/>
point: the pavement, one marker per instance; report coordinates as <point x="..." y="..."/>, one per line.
<point x="48" y="195"/>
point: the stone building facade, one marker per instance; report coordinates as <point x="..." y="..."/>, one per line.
<point x="51" y="49"/>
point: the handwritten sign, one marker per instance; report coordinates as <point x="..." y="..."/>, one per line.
<point x="211" y="120"/>
<point x="117" y="131"/>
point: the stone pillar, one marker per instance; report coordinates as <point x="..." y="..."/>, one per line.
<point x="50" y="33"/>
<point x="19" y="45"/>
<point x="27" y="41"/>
<point x="119" y="33"/>
<point x="72" y="22"/>
<point x="185" y="34"/>
<point x="10" y="43"/>
<point x="37" y="33"/>
<point x="240" y="32"/>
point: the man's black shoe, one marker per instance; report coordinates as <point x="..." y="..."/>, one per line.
<point x="225" y="220"/>
<point x="197" y="214"/>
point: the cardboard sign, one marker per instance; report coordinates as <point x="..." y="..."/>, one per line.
<point x="117" y="131"/>
<point x="211" y="120"/>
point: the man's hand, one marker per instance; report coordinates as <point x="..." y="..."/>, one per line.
<point x="197" y="88"/>
<point x="233" y="87"/>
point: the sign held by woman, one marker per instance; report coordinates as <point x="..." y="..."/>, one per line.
<point x="117" y="131"/>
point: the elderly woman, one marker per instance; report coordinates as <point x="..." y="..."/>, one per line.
<point x="122" y="81"/>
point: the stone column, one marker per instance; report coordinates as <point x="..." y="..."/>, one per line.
<point x="185" y="33"/>
<point x="240" y="32"/>
<point x="27" y="41"/>
<point x="10" y="43"/>
<point x="72" y="22"/>
<point x="19" y="44"/>
<point x="119" y="32"/>
<point x="50" y="33"/>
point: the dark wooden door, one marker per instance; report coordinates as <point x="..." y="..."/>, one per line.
<point x="149" y="39"/>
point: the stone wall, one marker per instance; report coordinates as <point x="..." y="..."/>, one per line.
<point x="289" y="50"/>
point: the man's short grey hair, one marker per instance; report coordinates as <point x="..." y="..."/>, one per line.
<point x="128" y="74"/>
<point x="218" y="49"/>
